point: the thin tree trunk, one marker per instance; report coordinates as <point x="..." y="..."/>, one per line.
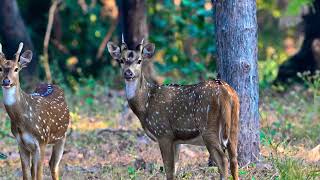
<point x="134" y="26"/>
<point x="236" y="36"/>
<point x="13" y="31"/>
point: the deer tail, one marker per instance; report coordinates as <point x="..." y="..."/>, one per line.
<point x="234" y="124"/>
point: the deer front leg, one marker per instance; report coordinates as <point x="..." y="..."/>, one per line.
<point x="25" y="162"/>
<point x="167" y="152"/>
<point x="37" y="162"/>
<point x="176" y="157"/>
<point x="57" y="152"/>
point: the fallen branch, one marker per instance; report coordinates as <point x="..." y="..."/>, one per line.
<point x="106" y="39"/>
<point x="47" y="39"/>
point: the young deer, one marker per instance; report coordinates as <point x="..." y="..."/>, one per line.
<point x="37" y="119"/>
<point x="202" y="114"/>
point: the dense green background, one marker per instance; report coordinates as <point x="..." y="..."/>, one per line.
<point x="184" y="38"/>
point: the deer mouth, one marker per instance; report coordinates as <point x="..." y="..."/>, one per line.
<point x="129" y="78"/>
<point x="7" y="86"/>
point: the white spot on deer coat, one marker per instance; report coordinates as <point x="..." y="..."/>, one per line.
<point x="9" y="95"/>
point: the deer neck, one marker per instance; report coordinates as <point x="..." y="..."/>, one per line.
<point x="13" y="99"/>
<point x="137" y="95"/>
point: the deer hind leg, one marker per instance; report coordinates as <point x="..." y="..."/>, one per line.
<point x="167" y="152"/>
<point x="217" y="154"/>
<point x="57" y="152"/>
<point x="25" y="162"/>
<point x="232" y="151"/>
<point x="176" y="157"/>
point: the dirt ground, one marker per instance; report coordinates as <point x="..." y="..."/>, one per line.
<point x="111" y="145"/>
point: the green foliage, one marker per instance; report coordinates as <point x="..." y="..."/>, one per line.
<point x="295" y="6"/>
<point x="293" y="169"/>
<point x="132" y="172"/>
<point x="184" y="37"/>
<point x="312" y="81"/>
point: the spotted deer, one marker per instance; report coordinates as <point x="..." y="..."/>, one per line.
<point x="37" y="119"/>
<point x="206" y="113"/>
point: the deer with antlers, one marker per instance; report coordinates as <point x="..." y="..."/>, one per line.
<point x="206" y="113"/>
<point x="37" y="119"/>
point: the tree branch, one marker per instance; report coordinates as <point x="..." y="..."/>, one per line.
<point x="106" y="39"/>
<point x="47" y="39"/>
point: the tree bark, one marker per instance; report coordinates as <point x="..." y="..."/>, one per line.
<point x="236" y="37"/>
<point x="307" y="58"/>
<point x="13" y="31"/>
<point x="133" y="22"/>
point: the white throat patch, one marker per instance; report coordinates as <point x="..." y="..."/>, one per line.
<point x="131" y="88"/>
<point x="9" y="95"/>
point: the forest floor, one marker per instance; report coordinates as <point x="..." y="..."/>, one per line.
<point x="106" y="142"/>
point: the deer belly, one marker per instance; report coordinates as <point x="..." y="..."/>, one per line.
<point x="186" y="133"/>
<point x="198" y="141"/>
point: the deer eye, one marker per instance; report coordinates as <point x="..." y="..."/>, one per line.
<point x="0" y="69"/>
<point x="16" y="70"/>
<point x="139" y="61"/>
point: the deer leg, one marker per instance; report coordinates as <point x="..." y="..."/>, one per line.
<point x="232" y="151"/>
<point x="176" y="157"/>
<point x="219" y="157"/>
<point x="25" y="162"/>
<point x="37" y="162"/>
<point x="167" y="152"/>
<point x="57" y="152"/>
<point x="40" y="162"/>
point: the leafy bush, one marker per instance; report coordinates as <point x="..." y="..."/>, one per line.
<point x="184" y="34"/>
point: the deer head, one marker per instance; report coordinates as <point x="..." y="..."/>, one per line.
<point x="130" y="61"/>
<point x="9" y="69"/>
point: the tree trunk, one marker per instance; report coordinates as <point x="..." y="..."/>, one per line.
<point x="133" y="22"/>
<point x="308" y="57"/>
<point x="13" y="31"/>
<point x="236" y="37"/>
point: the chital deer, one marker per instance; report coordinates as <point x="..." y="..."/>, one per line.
<point x="202" y="114"/>
<point x="37" y="119"/>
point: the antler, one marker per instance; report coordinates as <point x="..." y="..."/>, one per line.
<point x="19" y="51"/>
<point x="1" y="49"/>
<point x="123" y="44"/>
<point x="122" y="39"/>
<point x="141" y="45"/>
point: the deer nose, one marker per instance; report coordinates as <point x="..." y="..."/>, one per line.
<point x="6" y="82"/>
<point x="128" y="74"/>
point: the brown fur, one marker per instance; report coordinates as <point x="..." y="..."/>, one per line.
<point x="206" y="113"/>
<point x="37" y="119"/>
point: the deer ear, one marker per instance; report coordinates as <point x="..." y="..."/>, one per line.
<point x="114" y="50"/>
<point x="148" y="50"/>
<point x="25" y="58"/>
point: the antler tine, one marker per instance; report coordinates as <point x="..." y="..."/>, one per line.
<point x="1" y="48"/>
<point x="141" y="44"/>
<point x="122" y="39"/>
<point x="19" y="51"/>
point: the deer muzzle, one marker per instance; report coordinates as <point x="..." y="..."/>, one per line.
<point x="128" y="74"/>
<point x="6" y="83"/>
